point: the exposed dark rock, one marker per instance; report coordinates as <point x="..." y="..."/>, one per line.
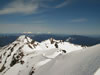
<point x="2" y="68"/>
<point x="56" y="45"/>
<point x="26" y="38"/>
<point x="16" y="58"/>
<point x="20" y="47"/>
<point x="30" y="46"/>
<point x="32" y="42"/>
<point x="64" y="51"/>
<point x="22" y="62"/>
<point x="8" y="55"/>
<point x="34" y="45"/>
<point x="21" y="54"/>
<point x="51" y="40"/>
<point x="0" y="58"/>
<point x="14" y="61"/>
<point x="12" y="49"/>
<point x="14" y="45"/>
<point x="4" y="53"/>
<point x="32" y="71"/>
<point x="9" y="48"/>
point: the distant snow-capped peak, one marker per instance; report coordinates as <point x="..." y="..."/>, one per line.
<point x="70" y="39"/>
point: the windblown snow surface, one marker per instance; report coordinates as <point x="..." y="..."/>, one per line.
<point x="51" y="57"/>
<point x="84" y="62"/>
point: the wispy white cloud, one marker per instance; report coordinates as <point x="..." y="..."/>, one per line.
<point x="79" y="20"/>
<point x="29" y="6"/>
<point x="62" y="4"/>
<point x="20" y="6"/>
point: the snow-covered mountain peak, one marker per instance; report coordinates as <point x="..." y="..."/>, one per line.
<point x="24" y="39"/>
<point x="30" y="55"/>
<point x="69" y="39"/>
<point x="22" y="43"/>
<point x="52" y="41"/>
<point x="14" y="53"/>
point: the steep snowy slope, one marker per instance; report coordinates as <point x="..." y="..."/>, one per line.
<point x="24" y="56"/>
<point x="14" y="52"/>
<point x="97" y="72"/>
<point x="84" y="62"/>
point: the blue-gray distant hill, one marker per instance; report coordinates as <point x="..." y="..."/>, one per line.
<point x="76" y="39"/>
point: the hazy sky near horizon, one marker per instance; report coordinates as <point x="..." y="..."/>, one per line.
<point x="55" y="16"/>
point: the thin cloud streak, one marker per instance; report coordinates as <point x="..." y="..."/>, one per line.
<point x="65" y="3"/>
<point x="29" y="7"/>
<point x="20" y="7"/>
<point x="62" y="4"/>
<point x="79" y="20"/>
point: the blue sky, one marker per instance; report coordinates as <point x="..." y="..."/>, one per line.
<point x="56" y="16"/>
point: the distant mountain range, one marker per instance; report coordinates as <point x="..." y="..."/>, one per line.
<point x="25" y="56"/>
<point x="75" y="39"/>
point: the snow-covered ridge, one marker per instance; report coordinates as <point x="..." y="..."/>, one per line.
<point x="25" y="54"/>
<point x="83" y="62"/>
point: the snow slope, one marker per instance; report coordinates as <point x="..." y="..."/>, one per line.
<point x="97" y="72"/>
<point x="84" y="62"/>
<point x="25" y="56"/>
